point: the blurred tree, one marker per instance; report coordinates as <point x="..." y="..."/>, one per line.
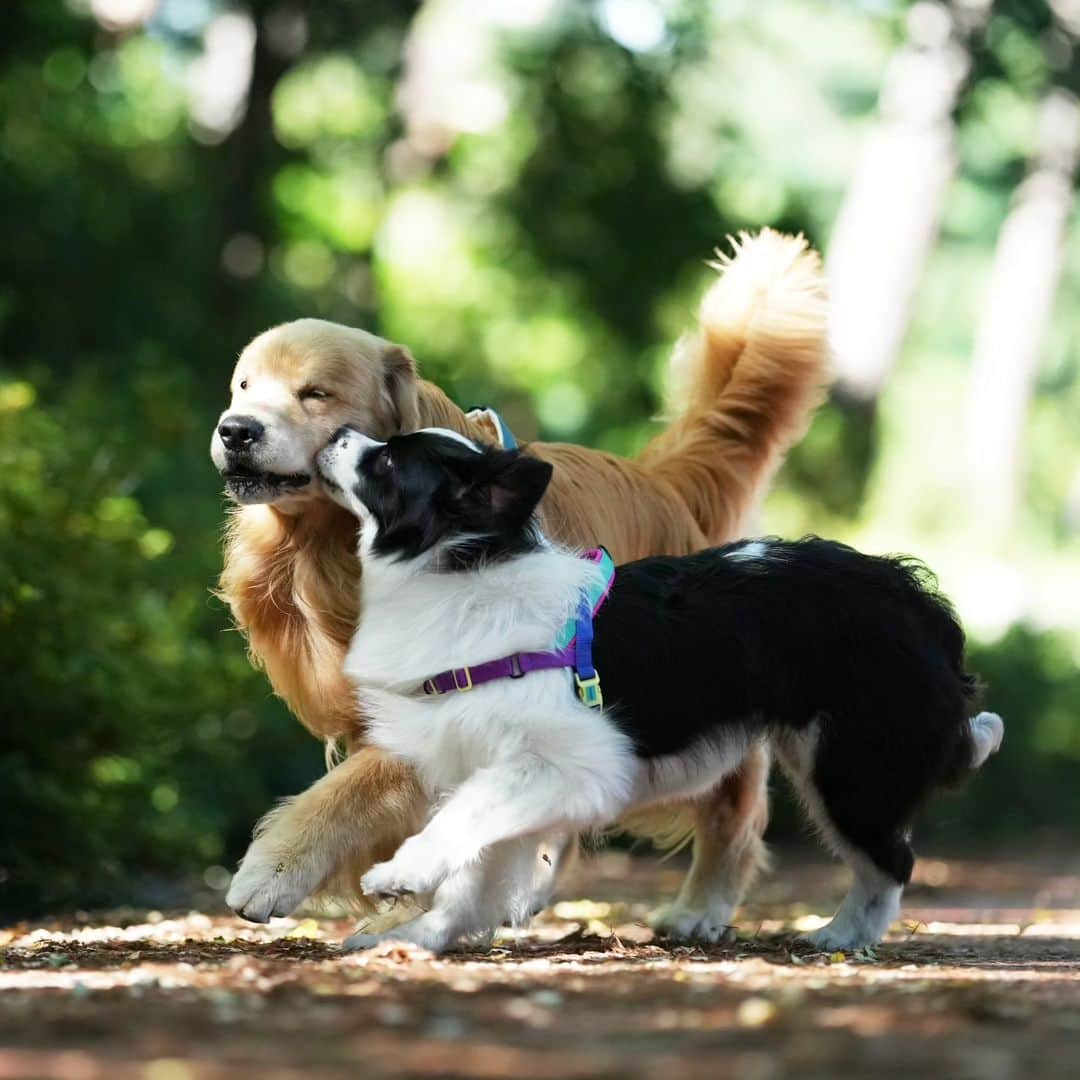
<point x="892" y="209"/>
<point x="1016" y="316"/>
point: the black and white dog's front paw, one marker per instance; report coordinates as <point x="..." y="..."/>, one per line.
<point x="839" y="937"/>
<point x="425" y="932"/>
<point x="412" y="870"/>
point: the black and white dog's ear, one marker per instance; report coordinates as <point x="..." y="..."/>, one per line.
<point x="517" y="484"/>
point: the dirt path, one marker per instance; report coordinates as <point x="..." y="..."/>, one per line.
<point x="981" y="979"/>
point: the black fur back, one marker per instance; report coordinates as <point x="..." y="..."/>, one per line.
<point x="684" y="644"/>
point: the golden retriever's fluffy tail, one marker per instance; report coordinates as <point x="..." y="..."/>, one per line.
<point x="746" y="382"/>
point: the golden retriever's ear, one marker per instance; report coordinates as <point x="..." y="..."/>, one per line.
<point x="399" y="382"/>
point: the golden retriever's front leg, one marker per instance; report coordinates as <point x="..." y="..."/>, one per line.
<point x="324" y="839"/>
<point x="729" y="851"/>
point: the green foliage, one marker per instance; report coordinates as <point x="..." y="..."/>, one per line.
<point x="133" y="740"/>
<point x="1033" y="680"/>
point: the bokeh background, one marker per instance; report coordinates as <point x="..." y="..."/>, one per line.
<point x="524" y="192"/>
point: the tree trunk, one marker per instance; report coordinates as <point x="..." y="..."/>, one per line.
<point x="1015" y="316"/>
<point x="890" y="215"/>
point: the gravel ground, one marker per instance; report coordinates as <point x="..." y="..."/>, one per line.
<point x="981" y="978"/>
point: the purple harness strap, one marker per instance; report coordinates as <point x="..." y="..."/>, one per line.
<point x="576" y="653"/>
<point x="508" y="667"/>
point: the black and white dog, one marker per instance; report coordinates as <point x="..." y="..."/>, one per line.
<point x="849" y="665"/>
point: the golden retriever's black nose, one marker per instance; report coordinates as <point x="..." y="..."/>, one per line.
<point x="239" y="432"/>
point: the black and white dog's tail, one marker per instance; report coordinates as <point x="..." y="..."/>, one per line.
<point x="987" y="731"/>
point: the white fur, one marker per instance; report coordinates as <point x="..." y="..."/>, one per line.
<point x="471" y="902"/>
<point x="865" y="914"/>
<point x="337" y="462"/>
<point x="753" y="549"/>
<point x="455" y="435"/>
<point x="987" y="731"/>
<point x="513" y="760"/>
<point x="689" y="774"/>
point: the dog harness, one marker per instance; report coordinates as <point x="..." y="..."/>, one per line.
<point x="505" y="434"/>
<point x="502" y="428"/>
<point x="573" y="648"/>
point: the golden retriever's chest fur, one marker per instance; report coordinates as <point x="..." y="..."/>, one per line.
<point x="293" y="588"/>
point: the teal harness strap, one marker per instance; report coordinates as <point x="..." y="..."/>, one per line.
<point x="507" y="436"/>
<point x="577" y="633"/>
<point x="591" y="597"/>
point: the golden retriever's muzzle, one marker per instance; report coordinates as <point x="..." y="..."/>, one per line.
<point x="239" y="450"/>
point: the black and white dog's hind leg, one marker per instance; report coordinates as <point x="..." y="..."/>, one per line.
<point x="873" y="901"/>
<point x="864" y="815"/>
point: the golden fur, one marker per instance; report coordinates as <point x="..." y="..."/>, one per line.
<point x="747" y="381"/>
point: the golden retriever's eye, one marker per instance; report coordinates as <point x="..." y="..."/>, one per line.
<point x="243" y="384"/>
<point x="312" y="393"/>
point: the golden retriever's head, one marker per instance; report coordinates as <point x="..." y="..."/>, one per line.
<point x="292" y="388"/>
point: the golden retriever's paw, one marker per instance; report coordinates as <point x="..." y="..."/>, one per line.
<point x="680" y="923"/>
<point x="269" y="883"/>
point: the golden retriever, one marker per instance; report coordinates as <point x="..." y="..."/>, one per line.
<point x="746" y="382"/>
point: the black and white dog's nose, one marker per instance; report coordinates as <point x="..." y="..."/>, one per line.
<point x="239" y="432"/>
<point x="341" y="435"/>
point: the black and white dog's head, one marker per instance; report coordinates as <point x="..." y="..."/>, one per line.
<point x="435" y="493"/>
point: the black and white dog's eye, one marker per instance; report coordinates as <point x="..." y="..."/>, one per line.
<point x="312" y="393"/>
<point x="243" y="384"/>
<point x="383" y="462"/>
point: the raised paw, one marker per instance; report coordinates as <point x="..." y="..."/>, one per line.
<point x="693" y="924"/>
<point x="409" y="871"/>
<point x="385" y="879"/>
